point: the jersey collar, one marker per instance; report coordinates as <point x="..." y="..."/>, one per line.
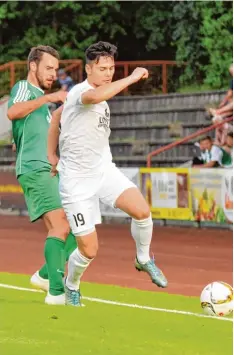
<point x="86" y="81"/>
<point x="36" y="87"/>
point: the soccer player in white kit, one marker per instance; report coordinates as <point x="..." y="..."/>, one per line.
<point x="87" y="173"/>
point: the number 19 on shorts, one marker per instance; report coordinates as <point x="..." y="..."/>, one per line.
<point x="79" y="219"/>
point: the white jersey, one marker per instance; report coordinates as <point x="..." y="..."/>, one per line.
<point x="215" y="154"/>
<point x="84" y="138"/>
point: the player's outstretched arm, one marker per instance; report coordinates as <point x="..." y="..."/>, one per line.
<point x="53" y="139"/>
<point x="22" y="109"/>
<point x="107" y="91"/>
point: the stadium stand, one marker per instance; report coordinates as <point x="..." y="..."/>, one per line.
<point x="141" y="124"/>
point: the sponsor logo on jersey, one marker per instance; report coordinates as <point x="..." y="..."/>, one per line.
<point x="107" y="113"/>
<point x="104" y="121"/>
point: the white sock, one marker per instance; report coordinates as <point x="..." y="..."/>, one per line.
<point x="77" y="264"/>
<point x="142" y="231"/>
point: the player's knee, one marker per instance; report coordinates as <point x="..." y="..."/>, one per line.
<point x="142" y="213"/>
<point x="61" y="230"/>
<point x="89" y="250"/>
<point x="91" y="254"/>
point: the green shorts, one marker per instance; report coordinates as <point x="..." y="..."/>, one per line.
<point x="41" y="192"/>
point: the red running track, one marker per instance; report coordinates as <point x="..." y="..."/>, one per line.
<point x="189" y="257"/>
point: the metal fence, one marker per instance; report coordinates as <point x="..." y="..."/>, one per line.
<point x="164" y="75"/>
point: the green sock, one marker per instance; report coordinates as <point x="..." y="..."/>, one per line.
<point x="55" y="261"/>
<point x="70" y="246"/>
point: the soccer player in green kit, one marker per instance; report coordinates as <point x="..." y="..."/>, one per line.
<point x="30" y="116"/>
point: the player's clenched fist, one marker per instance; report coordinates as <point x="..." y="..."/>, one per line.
<point x="139" y="73"/>
<point x="59" y="96"/>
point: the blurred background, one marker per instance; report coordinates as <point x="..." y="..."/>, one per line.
<point x="187" y="46"/>
<point x="196" y="32"/>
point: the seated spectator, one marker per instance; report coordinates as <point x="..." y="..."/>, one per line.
<point x="221" y="132"/>
<point x="224" y="110"/>
<point x="198" y="151"/>
<point x="65" y="81"/>
<point x="213" y="156"/>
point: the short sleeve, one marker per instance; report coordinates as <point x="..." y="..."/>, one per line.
<point x="19" y="93"/>
<point x="74" y="96"/>
<point x="78" y="90"/>
<point x="79" y="96"/>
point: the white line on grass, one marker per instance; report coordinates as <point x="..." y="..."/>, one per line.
<point x="129" y="305"/>
<point x="19" y="288"/>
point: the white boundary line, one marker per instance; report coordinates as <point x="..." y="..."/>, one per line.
<point x="129" y="305"/>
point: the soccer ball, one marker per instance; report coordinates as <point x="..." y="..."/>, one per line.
<point x="217" y="299"/>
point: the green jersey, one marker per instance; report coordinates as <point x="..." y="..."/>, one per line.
<point x="226" y="161"/>
<point x="218" y="155"/>
<point x="30" y="132"/>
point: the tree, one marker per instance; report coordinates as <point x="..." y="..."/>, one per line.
<point x="216" y="32"/>
<point x="196" y="32"/>
<point x="68" y="26"/>
<point x="203" y="38"/>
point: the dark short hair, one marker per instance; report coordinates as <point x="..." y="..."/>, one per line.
<point x="230" y="134"/>
<point x="36" y="53"/>
<point x="100" y="49"/>
<point x="204" y="138"/>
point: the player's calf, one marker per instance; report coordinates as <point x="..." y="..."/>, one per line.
<point x="78" y="263"/>
<point x="58" y="229"/>
<point x="142" y="231"/>
<point x="132" y="202"/>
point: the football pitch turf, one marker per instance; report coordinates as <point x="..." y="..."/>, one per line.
<point x="115" y="321"/>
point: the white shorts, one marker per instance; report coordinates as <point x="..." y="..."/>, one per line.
<point x="81" y="196"/>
